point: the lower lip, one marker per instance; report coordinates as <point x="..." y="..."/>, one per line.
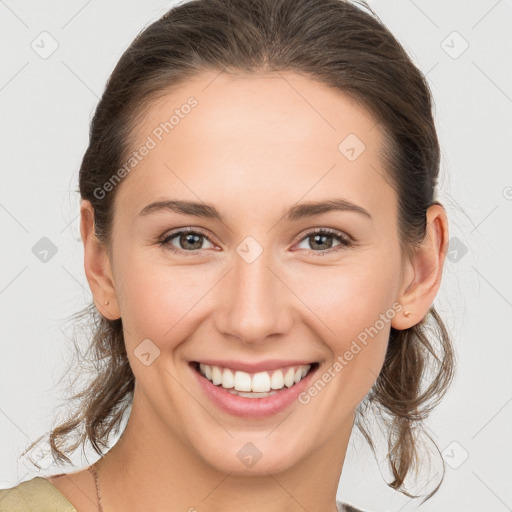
<point x="253" y="407"/>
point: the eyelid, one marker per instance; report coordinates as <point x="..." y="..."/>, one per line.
<point x="186" y="229"/>
<point x="329" y="231"/>
<point x="345" y="241"/>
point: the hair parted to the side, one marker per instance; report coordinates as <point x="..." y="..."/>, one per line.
<point x="338" y="44"/>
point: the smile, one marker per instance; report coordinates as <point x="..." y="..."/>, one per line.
<point x="255" y="385"/>
<point x="253" y="389"/>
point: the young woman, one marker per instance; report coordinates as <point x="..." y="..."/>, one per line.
<point x="264" y="245"/>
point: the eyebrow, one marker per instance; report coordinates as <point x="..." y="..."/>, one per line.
<point x="299" y="211"/>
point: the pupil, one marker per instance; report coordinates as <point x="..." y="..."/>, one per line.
<point x="188" y="239"/>
<point x="321" y="237"/>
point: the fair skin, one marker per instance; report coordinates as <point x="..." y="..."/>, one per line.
<point x="253" y="147"/>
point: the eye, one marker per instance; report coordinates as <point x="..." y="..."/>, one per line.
<point x="189" y="240"/>
<point x="322" y="239"/>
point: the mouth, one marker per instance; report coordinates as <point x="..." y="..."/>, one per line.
<point x="257" y="385"/>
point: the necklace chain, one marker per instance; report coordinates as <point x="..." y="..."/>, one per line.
<point x="95" y="474"/>
<point x="92" y="468"/>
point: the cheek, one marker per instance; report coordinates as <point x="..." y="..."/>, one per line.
<point x="355" y="307"/>
<point x="157" y="300"/>
<point x="350" y="297"/>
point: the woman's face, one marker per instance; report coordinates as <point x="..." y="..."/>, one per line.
<point x="255" y="287"/>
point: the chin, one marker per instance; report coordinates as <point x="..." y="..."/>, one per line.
<point x="244" y="458"/>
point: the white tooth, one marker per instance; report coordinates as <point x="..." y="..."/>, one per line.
<point x="289" y="377"/>
<point x="242" y="381"/>
<point x="227" y="378"/>
<point x="251" y="395"/>
<point x="260" y="382"/>
<point x="277" y="381"/>
<point x="216" y="375"/>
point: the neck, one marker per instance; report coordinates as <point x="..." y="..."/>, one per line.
<point x="154" y="468"/>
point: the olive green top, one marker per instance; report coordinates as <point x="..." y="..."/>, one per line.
<point x="40" y="495"/>
<point x="34" y="495"/>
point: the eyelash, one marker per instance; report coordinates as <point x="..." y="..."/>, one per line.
<point x="345" y="241"/>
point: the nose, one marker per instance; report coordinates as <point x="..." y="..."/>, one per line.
<point x="255" y="302"/>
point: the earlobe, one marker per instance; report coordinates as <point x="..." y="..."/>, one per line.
<point x="97" y="265"/>
<point x="424" y="271"/>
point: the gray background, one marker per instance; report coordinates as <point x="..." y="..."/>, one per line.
<point x="47" y="102"/>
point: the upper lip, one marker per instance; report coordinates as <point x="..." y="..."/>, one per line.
<point x="254" y="367"/>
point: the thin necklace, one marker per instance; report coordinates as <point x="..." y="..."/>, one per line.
<point x="94" y="471"/>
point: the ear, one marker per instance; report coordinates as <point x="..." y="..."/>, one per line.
<point x="422" y="276"/>
<point x="97" y="265"/>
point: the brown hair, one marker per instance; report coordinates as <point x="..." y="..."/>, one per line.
<point x="336" y="43"/>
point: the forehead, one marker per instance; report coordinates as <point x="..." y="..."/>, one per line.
<point x="277" y="137"/>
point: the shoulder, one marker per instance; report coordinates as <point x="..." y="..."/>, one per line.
<point x="35" y="494"/>
<point x="39" y="494"/>
<point x="344" y="507"/>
